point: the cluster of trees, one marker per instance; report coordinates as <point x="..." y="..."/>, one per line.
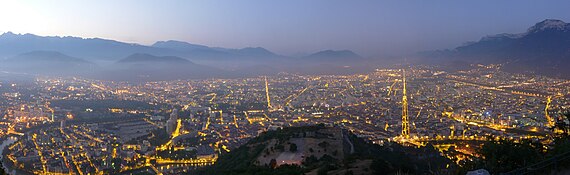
<point x="158" y="137"/>
<point x="398" y="159"/>
<point x="497" y="156"/>
<point x="504" y="155"/>
<point x="2" y="172"/>
<point x="386" y="159"/>
<point x="286" y="133"/>
<point x="242" y="160"/>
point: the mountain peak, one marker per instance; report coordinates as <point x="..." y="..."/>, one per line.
<point x="337" y="53"/>
<point x="255" y="50"/>
<point x="549" y="24"/>
<point x="334" y="55"/>
<point x="8" y="35"/>
<point x="178" y="45"/>
<point x="542" y="50"/>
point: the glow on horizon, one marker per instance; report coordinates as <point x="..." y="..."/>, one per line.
<point x="19" y="17"/>
<point x="285" y="27"/>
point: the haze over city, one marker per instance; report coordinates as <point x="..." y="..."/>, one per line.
<point x="284" y="87"/>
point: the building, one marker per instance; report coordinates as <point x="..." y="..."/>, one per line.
<point x="172" y="121"/>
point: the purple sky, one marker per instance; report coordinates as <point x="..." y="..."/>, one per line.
<point x="370" y="28"/>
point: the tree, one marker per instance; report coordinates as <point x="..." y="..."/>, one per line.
<point x="293" y="147"/>
<point x="324" y="144"/>
<point x="325" y="169"/>
<point x="561" y="139"/>
<point x="505" y="155"/>
<point x="309" y="161"/>
<point x="561" y="124"/>
<point x="1" y="169"/>
<point x="273" y="163"/>
<point x="280" y="147"/>
<point x="561" y="145"/>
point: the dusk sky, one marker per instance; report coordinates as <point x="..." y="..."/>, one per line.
<point x="370" y="28"/>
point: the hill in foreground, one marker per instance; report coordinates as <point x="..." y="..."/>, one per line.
<point x="316" y="150"/>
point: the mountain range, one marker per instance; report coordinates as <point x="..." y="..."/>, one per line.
<point x="104" y="56"/>
<point x="93" y="49"/>
<point x="544" y="49"/>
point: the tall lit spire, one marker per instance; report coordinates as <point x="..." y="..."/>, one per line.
<point x="546" y="108"/>
<point x="267" y="94"/>
<point x="405" y="123"/>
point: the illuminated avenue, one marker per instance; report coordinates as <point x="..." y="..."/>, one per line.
<point x="169" y="127"/>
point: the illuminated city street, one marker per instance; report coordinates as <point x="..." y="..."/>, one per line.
<point x="442" y="111"/>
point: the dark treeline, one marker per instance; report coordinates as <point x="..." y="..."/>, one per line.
<point x="503" y="156"/>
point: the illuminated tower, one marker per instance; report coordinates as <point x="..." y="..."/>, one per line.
<point x="267" y="94"/>
<point x="405" y="123"/>
<point x="548" y="117"/>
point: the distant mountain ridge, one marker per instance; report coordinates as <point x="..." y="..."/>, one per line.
<point x="47" y="62"/>
<point x="178" y="45"/>
<point x="185" y="46"/>
<point x="87" y="48"/>
<point x="334" y="55"/>
<point x="140" y="66"/>
<point x="45" y="56"/>
<point x="12" y="44"/>
<point x="139" y="57"/>
<point x="544" y="48"/>
<point x="103" y="56"/>
<point x="102" y="49"/>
